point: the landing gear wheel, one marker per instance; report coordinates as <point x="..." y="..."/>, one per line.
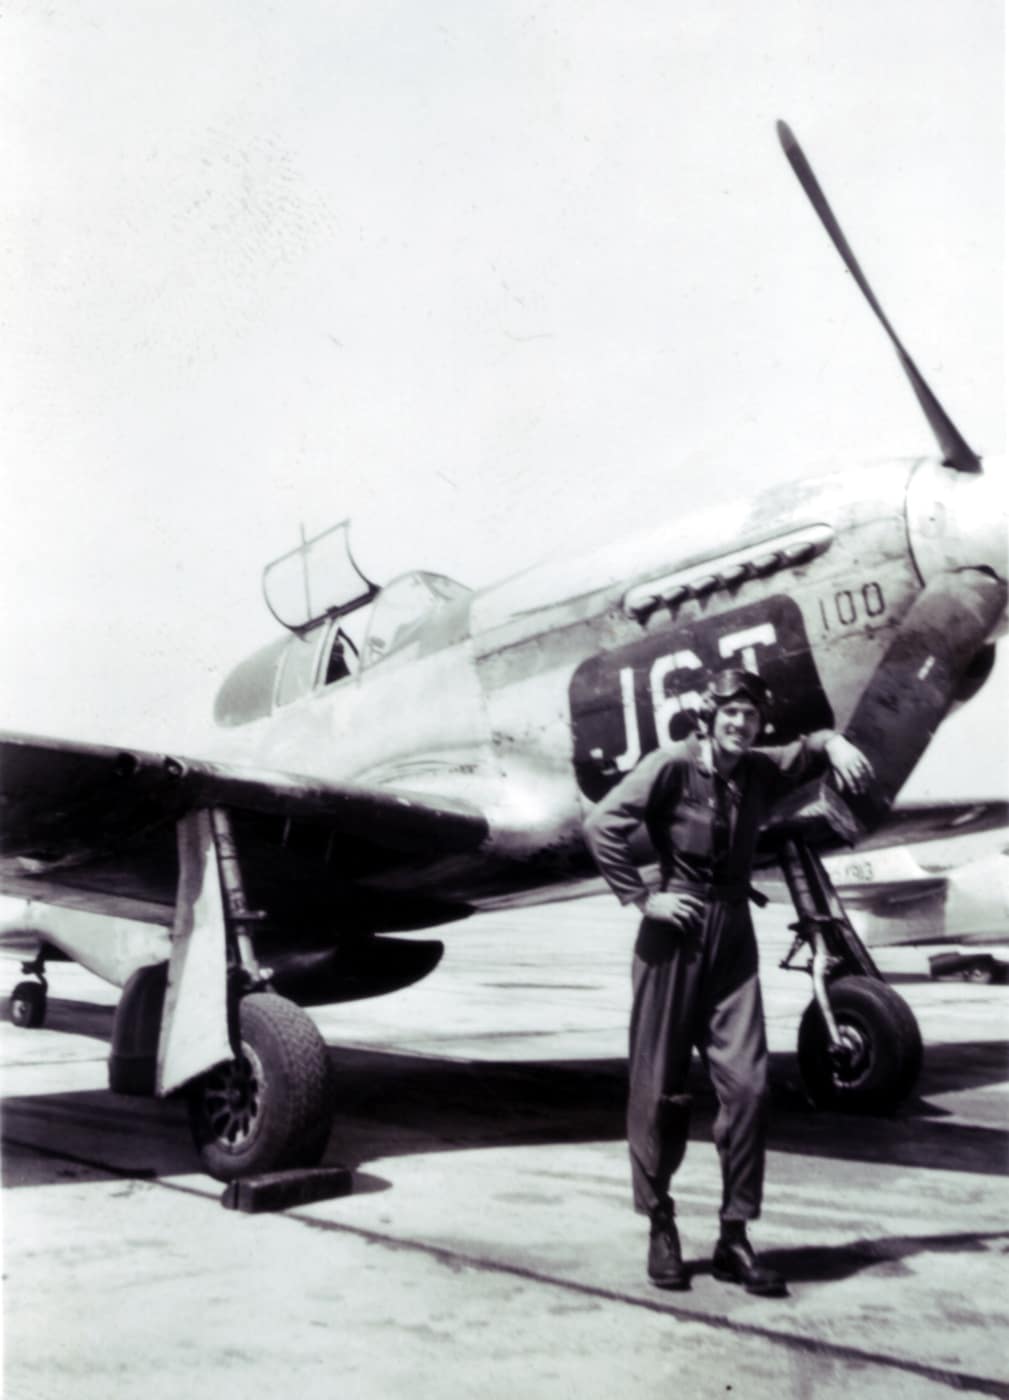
<point x="269" y="1109"/>
<point x="880" y="1057"/>
<point x="28" y="1004"/>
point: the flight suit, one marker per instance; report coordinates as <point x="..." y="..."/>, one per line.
<point x="698" y="987"/>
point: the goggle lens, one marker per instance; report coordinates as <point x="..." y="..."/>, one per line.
<point x="726" y="685"/>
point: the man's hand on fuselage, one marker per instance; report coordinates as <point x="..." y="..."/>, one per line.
<point x="851" y="767"/>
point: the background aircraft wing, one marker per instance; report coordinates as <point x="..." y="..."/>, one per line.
<point x="930" y="871"/>
<point x="93" y="827"/>
<point x="890" y="895"/>
<point x="910" y="823"/>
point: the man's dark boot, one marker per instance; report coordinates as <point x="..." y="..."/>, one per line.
<point x="665" y="1261"/>
<point x="735" y="1262"/>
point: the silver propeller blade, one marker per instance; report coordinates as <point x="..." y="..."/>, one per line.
<point x="956" y="453"/>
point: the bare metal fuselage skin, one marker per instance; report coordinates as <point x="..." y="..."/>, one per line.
<point x="543" y="689"/>
<point x="527" y="701"/>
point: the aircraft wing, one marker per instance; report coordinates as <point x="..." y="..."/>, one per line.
<point x="864" y="891"/>
<point x="93" y="827"/>
<point x="910" y="823"/>
<point x="956" y="895"/>
<point x="887" y="896"/>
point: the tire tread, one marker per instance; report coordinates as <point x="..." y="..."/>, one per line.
<point x="903" y="1048"/>
<point x="296" y="1127"/>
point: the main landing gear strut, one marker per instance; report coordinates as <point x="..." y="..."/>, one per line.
<point x="270" y="1107"/>
<point x="859" y="1043"/>
<point x="252" y="1065"/>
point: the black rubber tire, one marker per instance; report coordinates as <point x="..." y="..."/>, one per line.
<point x="881" y="1028"/>
<point x="270" y="1109"/>
<point x="28" y="1005"/>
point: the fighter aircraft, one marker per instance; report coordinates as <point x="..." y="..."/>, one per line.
<point x="930" y="896"/>
<point x="951" y="890"/>
<point x="405" y="755"/>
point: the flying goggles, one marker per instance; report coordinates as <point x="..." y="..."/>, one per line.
<point x="733" y="683"/>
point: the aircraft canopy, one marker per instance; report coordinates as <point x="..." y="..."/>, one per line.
<point x="402" y="608"/>
<point x="318" y="578"/>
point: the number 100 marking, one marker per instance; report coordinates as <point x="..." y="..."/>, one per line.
<point x="847" y="606"/>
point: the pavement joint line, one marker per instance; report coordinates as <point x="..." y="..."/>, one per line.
<point x="957" y="1380"/>
<point x="126" y="1173"/>
<point x="53" y="1064"/>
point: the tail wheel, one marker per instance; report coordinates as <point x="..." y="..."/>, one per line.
<point x="270" y="1108"/>
<point x="28" y="1004"/>
<point x="879" y="1060"/>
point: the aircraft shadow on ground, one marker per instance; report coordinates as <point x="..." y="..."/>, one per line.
<point x="392" y="1105"/>
<point x="80" y="1018"/>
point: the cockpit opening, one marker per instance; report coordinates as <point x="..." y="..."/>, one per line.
<point x="340" y="626"/>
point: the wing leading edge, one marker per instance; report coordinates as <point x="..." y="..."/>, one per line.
<point x="94" y="826"/>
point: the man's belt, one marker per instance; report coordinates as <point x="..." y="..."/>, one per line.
<point x="725" y="891"/>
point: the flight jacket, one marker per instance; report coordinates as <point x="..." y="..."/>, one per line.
<point x="702" y="827"/>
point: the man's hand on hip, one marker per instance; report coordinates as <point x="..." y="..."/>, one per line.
<point x="682" y="911"/>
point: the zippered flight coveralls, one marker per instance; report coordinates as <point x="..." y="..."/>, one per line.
<point x="698" y="987"/>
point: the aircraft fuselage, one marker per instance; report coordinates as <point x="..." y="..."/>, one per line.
<point x="532" y="697"/>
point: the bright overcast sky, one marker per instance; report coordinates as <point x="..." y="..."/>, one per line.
<point x="490" y="279"/>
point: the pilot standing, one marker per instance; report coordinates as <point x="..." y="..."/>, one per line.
<point x="695" y="976"/>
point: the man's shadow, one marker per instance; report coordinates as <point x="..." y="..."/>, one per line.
<point x="830" y="1263"/>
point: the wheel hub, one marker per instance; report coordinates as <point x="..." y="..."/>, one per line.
<point x="232" y="1099"/>
<point x="852" y="1057"/>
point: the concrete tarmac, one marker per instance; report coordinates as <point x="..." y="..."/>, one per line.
<point x="489" y="1248"/>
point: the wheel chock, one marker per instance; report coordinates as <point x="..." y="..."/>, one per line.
<point x="282" y="1190"/>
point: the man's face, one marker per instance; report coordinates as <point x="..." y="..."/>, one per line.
<point x="735" y="727"/>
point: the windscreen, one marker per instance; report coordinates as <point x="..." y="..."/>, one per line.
<point x="402" y="610"/>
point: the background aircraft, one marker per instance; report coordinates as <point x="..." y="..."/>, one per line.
<point x="950" y="888"/>
<point x="952" y="892"/>
<point x="410" y="753"/>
